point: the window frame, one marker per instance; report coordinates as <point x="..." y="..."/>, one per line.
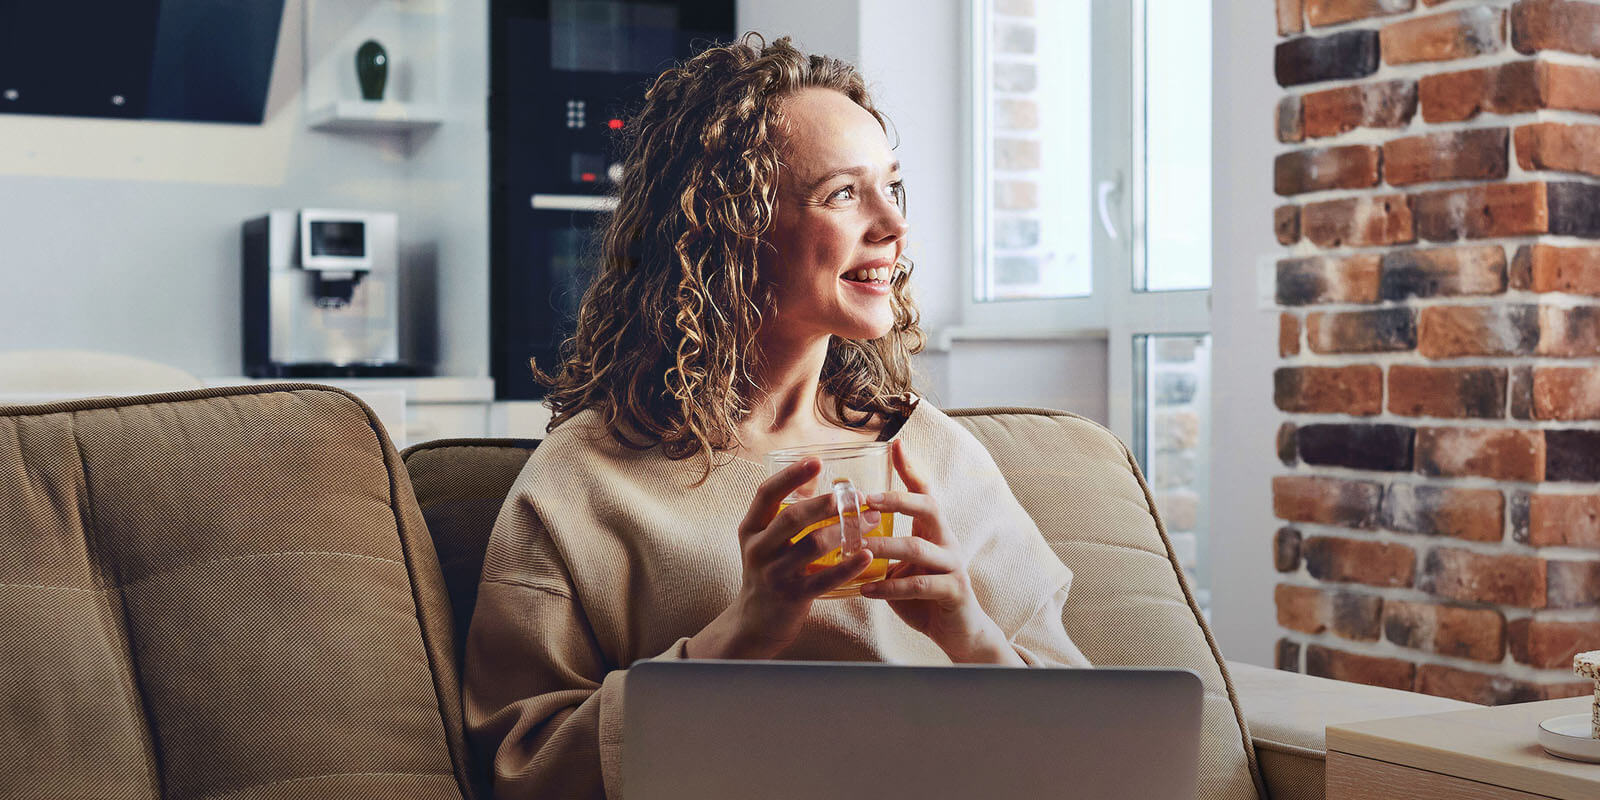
<point x="1115" y="311"/>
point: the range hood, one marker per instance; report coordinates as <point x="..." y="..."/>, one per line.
<point x="190" y="60"/>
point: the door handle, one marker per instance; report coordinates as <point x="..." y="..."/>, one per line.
<point x="1104" y="192"/>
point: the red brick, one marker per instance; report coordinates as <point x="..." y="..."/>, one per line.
<point x="1355" y="390"/>
<point x="1549" y="644"/>
<point x="1556" y="691"/>
<point x="1455" y="392"/>
<point x="1513" y="88"/>
<point x="1476" y="687"/>
<point x="1291" y="17"/>
<point x="1300" y="608"/>
<point x="1569" y="332"/>
<point x="1556" y="25"/>
<point x="1326" y="501"/>
<point x="1288" y="451"/>
<point x="1574" y="270"/>
<point x="1288" y="335"/>
<point x="1499" y="453"/>
<point x="1326" y="662"/>
<point x="1512" y="580"/>
<point x="1572" y="583"/>
<point x="1570" y="520"/>
<point x="1472" y="514"/>
<point x="1328" y="279"/>
<point x="1478" y="154"/>
<point x="1566" y="393"/>
<point x="1444" y="37"/>
<point x="1339" y="560"/>
<point x="1475" y="633"/>
<point x="1359" y="221"/>
<point x="1286" y="224"/>
<point x="1560" y="147"/>
<point x="1286" y="550"/>
<point x="1443" y="272"/>
<point x="1498" y="330"/>
<point x="1333" y="12"/>
<point x="1482" y="212"/>
<point x="1289" y="119"/>
<point x="1349" y="167"/>
<point x="1384" y="330"/>
<point x="1382" y="104"/>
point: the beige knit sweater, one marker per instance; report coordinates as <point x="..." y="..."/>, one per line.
<point x="603" y="555"/>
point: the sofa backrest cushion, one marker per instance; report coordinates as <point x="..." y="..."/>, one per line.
<point x="1129" y="604"/>
<point x="219" y="592"/>
<point x="460" y="486"/>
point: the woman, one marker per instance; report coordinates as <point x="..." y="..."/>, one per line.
<point x="752" y="294"/>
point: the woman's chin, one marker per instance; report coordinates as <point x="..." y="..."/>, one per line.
<point x="865" y="331"/>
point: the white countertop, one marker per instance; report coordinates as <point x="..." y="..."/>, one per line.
<point x="443" y="389"/>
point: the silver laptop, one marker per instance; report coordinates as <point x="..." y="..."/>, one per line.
<point x="775" y="730"/>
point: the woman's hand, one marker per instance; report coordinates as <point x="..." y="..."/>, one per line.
<point x="777" y="590"/>
<point x="930" y="588"/>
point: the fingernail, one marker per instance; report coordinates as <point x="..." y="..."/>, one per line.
<point x="871" y="517"/>
<point x="875" y="497"/>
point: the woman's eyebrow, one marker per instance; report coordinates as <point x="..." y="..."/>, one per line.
<point x="816" y="184"/>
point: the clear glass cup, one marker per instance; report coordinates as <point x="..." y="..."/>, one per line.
<point x="849" y="472"/>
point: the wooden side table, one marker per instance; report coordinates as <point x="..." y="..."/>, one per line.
<point x="1480" y="754"/>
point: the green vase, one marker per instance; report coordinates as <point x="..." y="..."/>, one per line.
<point x="372" y="69"/>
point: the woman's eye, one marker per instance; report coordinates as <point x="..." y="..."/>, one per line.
<point x="897" y="190"/>
<point x="843" y="193"/>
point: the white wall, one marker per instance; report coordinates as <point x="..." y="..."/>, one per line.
<point x="123" y="236"/>
<point x="911" y="52"/>
<point x="1245" y="337"/>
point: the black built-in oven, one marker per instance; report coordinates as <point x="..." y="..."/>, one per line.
<point x="564" y="77"/>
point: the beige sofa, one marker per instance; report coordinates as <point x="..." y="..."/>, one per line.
<point x="234" y="592"/>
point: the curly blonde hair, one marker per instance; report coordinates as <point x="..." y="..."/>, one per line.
<point x="665" y="346"/>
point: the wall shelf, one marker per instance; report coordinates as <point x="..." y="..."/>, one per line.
<point x="361" y="116"/>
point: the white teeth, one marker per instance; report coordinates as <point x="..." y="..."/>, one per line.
<point x="874" y="274"/>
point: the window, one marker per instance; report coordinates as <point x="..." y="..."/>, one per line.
<point x="1090" y="193"/>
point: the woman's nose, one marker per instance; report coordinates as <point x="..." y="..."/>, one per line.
<point x="890" y="224"/>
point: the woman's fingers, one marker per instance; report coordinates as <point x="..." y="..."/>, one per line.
<point x="772" y="491"/>
<point x="912" y="479"/>
<point x="816" y="544"/>
<point x="939" y="588"/>
<point x="786" y="524"/>
<point x="916" y="552"/>
<point x="924" y="513"/>
<point x="835" y="576"/>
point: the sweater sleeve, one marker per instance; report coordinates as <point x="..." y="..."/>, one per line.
<point x="543" y="705"/>
<point x="1043" y="641"/>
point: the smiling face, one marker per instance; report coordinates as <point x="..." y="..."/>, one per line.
<point x="837" y="228"/>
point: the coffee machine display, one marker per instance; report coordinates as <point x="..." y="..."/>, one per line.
<point x="321" y="295"/>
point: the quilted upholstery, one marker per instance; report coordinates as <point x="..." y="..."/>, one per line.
<point x="464" y="482"/>
<point x="1129" y="603"/>
<point x="219" y="593"/>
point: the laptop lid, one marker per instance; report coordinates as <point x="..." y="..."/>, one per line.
<point x="776" y="730"/>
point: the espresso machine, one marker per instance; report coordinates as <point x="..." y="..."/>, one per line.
<point x="321" y="295"/>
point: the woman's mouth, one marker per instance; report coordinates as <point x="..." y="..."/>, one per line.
<point x="873" y="275"/>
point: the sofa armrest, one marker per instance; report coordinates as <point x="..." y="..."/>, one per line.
<point x="1288" y="713"/>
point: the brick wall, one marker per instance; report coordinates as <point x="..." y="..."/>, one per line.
<point x="1015" y="212"/>
<point x="1439" y="297"/>
<point x="1177" y="444"/>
